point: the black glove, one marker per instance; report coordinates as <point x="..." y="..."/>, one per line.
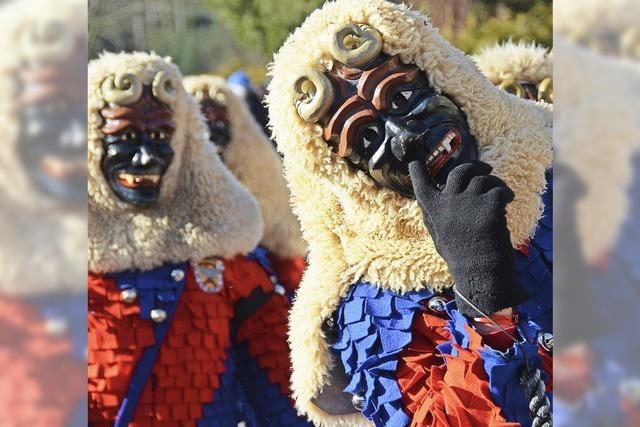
<point x="468" y="224"/>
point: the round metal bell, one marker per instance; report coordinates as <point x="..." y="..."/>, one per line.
<point x="280" y="290"/>
<point x="129" y="295"/>
<point x="546" y="341"/>
<point x="177" y="275"/>
<point x="437" y="304"/>
<point x="158" y="315"/>
<point x="358" y="401"/>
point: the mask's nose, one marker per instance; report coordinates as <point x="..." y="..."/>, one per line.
<point x="144" y="157"/>
<point x="403" y="139"/>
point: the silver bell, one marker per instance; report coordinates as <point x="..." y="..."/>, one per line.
<point x="437" y="304"/>
<point x="129" y="295"/>
<point x="177" y="275"/>
<point x="158" y="315"/>
<point x="546" y="341"/>
<point x="358" y="401"/>
<point x="280" y="290"/>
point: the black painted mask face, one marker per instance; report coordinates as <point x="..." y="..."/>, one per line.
<point x="386" y="115"/>
<point x="137" y="149"/>
<point x="52" y="131"/>
<point x="218" y="122"/>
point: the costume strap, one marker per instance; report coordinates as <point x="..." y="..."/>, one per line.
<point x="152" y="288"/>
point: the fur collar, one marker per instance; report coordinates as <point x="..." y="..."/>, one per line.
<point x="253" y="160"/>
<point x="358" y="231"/>
<point x="202" y="211"/>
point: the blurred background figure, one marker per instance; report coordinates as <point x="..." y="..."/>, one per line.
<point x="245" y="149"/>
<point x="597" y="76"/>
<point x="525" y="70"/>
<point x="253" y="96"/>
<point x="43" y="213"/>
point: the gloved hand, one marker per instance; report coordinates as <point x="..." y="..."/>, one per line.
<point x="467" y="221"/>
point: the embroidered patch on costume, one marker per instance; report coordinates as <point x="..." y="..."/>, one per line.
<point x="208" y="273"/>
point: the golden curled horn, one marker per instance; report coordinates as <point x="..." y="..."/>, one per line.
<point x="314" y="96"/>
<point x="122" y="89"/>
<point x="51" y="41"/>
<point x="164" y="87"/>
<point x="354" y="45"/>
<point x="545" y="90"/>
<point x="512" y="86"/>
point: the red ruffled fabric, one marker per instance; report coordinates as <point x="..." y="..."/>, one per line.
<point x="191" y="360"/>
<point x="34" y="363"/>
<point x="444" y="390"/>
<point x="266" y="335"/>
<point x="288" y="270"/>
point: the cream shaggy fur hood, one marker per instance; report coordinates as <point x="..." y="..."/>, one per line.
<point x="359" y="231"/>
<point x="202" y="209"/>
<point x="253" y="160"/>
<point x="43" y="244"/>
<point x="518" y="61"/>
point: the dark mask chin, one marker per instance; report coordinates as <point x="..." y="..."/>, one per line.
<point x="434" y="127"/>
<point x="51" y="149"/>
<point x="122" y="162"/>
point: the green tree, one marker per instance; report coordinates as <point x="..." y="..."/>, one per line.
<point x="263" y="25"/>
<point x="492" y="21"/>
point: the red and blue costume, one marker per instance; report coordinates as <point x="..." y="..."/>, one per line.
<point x="416" y="360"/>
<point x="218" y="358"/>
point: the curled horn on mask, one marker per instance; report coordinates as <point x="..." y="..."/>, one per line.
<point x="353" y="45"/>
<point x="122" y="89"/>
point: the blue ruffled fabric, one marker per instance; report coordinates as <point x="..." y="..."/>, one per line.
<point x="535" y="272"/>
<point x="271" y="407"/>
<point x="374" y="327"/>
<point x="246" y="395"/>
<point x="230" y="405"/>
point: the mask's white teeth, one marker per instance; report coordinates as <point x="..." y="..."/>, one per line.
<point x="447" y="144"/>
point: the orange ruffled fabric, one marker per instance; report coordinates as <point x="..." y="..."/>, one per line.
<point x="441" y="390"/>
<point x="288" y="270"/>
<point x="266" y="335"/>
<point x="191" y="360"/>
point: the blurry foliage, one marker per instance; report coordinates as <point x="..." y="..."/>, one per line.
<point x="487" y="24"/>
<point x="473" y="24"/>
<point x="222" y="36"/>
<point x="263" y="25"/>
<point x="192" y="34"/>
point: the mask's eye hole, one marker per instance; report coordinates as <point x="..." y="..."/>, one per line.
<point x="153" y="135"/>
<point x="401" y="99"/>
<point x="370" y="135"/>
<point x="162" y="135"/>
<point x="129" y="136"/>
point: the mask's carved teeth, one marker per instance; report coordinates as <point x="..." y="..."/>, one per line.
<point x="137" y="181"/>
<point x="447" y="148"/>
